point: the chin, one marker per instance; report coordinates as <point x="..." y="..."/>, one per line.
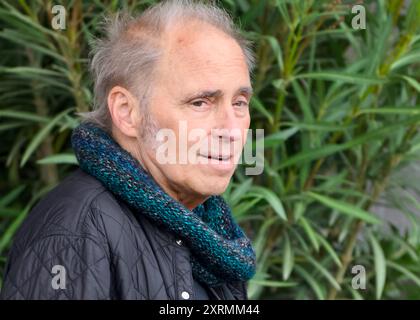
<point x="214" y="186"/>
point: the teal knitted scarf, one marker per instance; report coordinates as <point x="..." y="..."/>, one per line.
<point x="220" y="251"/>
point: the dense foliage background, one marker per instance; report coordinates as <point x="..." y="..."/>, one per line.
<point x="341" y="113"/>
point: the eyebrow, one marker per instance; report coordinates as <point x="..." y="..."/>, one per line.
<point x="217" y="93"/>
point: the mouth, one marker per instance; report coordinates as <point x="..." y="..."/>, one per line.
<point x="217" y="157"/>
<point x="223" y="164"/>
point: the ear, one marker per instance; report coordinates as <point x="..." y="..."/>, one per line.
<point x="124" y="110"/>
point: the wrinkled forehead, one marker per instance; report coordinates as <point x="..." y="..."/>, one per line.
<point x="200" y="50"/>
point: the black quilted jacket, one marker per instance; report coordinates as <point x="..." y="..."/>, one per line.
<point x="80" y="242"/>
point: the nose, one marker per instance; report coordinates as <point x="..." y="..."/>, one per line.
<point x="228" y="125"/>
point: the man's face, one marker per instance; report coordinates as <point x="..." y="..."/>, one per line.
<point x="201" y="84"/>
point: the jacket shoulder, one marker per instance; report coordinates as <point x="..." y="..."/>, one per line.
<point x="75" y="207"/>
<point x="73" y="226"/>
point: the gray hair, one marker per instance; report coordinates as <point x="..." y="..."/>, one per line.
<point x="128" y="53"/>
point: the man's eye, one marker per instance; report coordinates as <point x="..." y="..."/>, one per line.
<point x="198" y="103"/>
<point x="241" y="104"/>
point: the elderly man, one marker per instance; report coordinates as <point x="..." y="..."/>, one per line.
<point x="127" y="225"/>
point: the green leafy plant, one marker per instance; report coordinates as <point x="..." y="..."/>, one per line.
<point x="340" y="109"/>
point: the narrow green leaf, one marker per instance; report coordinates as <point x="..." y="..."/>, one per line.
<point x="339" y="76"/>
<point x="323" y="271"/>
<point x="40" y="136"/>
<point x="402" y="269"/>
<point x="11" y="125"/>
<point x="345" y="208"/>
<point x="23" y="116"/>
<point x="244" y="207"/>
<point x="310" y="232"/>
<point x="258" y="105"/>
<point x="12" y="195"/>
<point x="412" y="82"/>
<point x="329" y="249"/>
<point x="30" y="71"/>
<point x="311" y="154"/>
<point x="380" y="266"/>
<point x="240" y="191"/>
<point x="276" y="284"/>
<point x="318" y="126"/>
<point x="274" y="138"/>
<point x="69" y="158"/>
<point x="274" y="44"/>
<point x="410" y="58"/>
<point x="6" y="236"/>
<point x="16" y="37"/>
<point x="272" y="199"/>
<point x="315" y="286"/>
<point x="303" y="102"/>
<point x="288" y="258"/>
<point x="390" y="110"/>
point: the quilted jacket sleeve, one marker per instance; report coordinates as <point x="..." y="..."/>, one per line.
<point x="59" y="266"/>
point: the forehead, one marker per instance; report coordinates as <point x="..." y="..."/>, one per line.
<point x="204" y="54"/>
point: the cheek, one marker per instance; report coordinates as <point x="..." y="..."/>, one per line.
<point x="244" y="126"/>
<point x="247" y="121"/>
<point x="164" y="112"/>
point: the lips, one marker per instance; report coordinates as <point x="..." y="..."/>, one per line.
<point x="219" y="157"/>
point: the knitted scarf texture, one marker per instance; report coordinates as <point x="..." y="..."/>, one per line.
<point x="220" y="251"/>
